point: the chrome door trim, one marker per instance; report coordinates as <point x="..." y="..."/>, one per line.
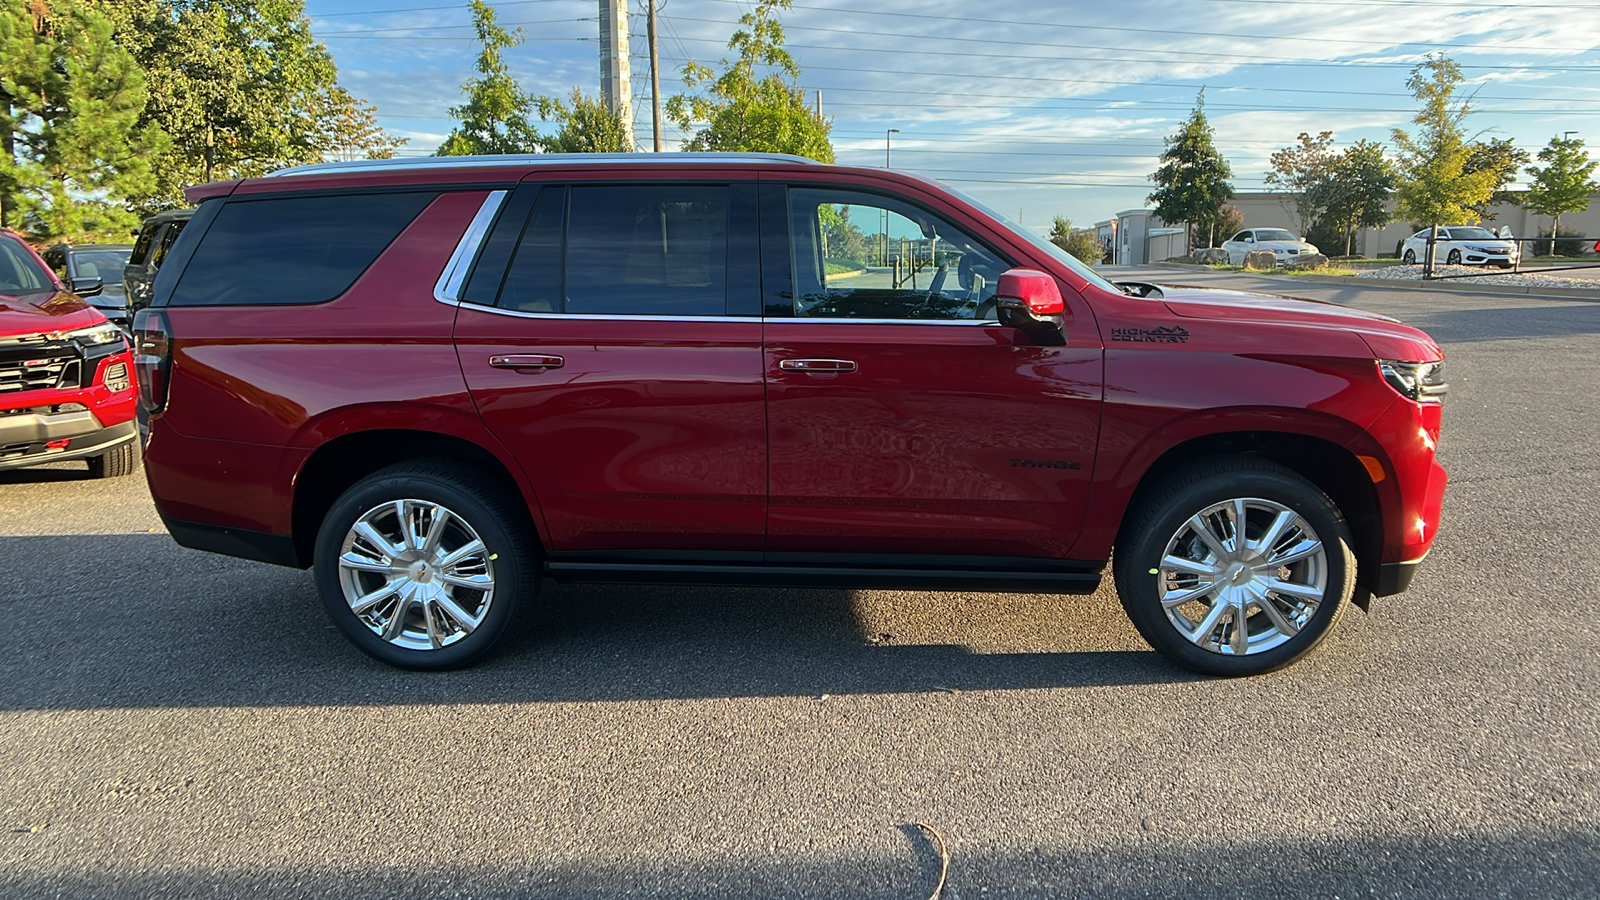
<point x="448" y="288"/>
<point x="601" y="317"/>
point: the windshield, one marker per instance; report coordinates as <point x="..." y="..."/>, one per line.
<point x="1472" y="234"/>
<point x="20" y="273"/>
<point x="103" y="260"/>
<point x="1274" y="234"/>
<point x="1037" y="240"/>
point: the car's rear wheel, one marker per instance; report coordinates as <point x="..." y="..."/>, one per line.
<point x="1454" y="258"/>
<point x="1410" y="258"/>
<point x="1235" y="567"/>
<point x="425" y="565"/>
<point x="120" y="460"/>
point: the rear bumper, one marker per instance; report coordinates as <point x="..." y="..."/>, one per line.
<point x="1395" y="577"/>
<point x="277" y="549"/>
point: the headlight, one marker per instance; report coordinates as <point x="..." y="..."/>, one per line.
<point x="96" y="335"/>
<point x="1421" y="382"/>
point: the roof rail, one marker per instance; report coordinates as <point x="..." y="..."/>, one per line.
<point x="525" y="159"/>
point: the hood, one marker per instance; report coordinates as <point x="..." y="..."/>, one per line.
<point x="1285" y="245"/>
<point x="1388" y="338"/>
<point x="45" y="311"/>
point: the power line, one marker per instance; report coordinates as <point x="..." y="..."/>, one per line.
<point x="378" y="31"/>
<point x="1079" y="26"/>
<point x="457" y="6"/>
<point x="1285" y="61"/>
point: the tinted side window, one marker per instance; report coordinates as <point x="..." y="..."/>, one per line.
<point x="293" y="250"/>
<point x="534" y="282"/>
<point x="648" y="250"/>
<point x="174" y="228"/>
<point x="141" y="247"/>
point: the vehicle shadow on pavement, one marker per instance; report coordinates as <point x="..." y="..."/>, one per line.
<point x="50" y="474"/>
<point x="136" y="621"/>
<point x="1136" y="864"/>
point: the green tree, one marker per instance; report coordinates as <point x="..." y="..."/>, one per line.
<point x="1435" y="186"/>
<point x="1192" y="181"/>
<point x="1563" y="184"/>
<point x="742" y="109"/>
<point x="70" y="103"/>
<point x="587" y="126"/>
<point x="1303" y="172"/>
<point x="350" y="131"/>
<point x="241" y="87"/>
<point x="1080" y="242"/>
<point x="1503" y="158"/>
<point x="1356" y="192"/>
<point x="498" y="114"/>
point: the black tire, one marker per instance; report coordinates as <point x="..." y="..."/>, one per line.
<point x="1454" y="258"/>
<point x="1410" y="258"/>
<point x="1161" y="517"/>
<point x="123" y="459"/>
<point x="475" y="504"/>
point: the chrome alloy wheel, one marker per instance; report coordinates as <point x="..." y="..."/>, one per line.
<point x="416" y="574"/>
<point x="1242" y="576"/>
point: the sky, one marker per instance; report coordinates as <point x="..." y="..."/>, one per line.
<point x="1040" y="109"/>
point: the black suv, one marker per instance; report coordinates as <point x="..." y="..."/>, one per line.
<point x="155" y="238"/>
<point x="73" y="263"/>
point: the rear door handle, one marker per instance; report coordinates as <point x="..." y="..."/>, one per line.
<point x="818" y="366"/>
<point x="526" y="361"/>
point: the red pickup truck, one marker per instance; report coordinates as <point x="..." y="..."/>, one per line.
<point x="66" y="374"/>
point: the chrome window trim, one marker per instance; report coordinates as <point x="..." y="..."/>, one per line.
<point x="602" y="317"/>
<point x="534" y="159"/>
<point x="639" y="317"/>
<point x="848" y="321"/>
<point x="448" y="288"/>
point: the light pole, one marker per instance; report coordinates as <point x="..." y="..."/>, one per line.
<point x="886" y="145"/>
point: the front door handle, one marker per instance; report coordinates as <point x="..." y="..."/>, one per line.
<point x="818" y="366"/>
<point x="526" y="361"/>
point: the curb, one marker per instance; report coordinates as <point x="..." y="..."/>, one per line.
<point x="1553" y="293"/>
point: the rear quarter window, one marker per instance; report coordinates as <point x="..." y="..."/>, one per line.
<point x="293" y="250"/>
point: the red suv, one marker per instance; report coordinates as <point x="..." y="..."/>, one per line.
<point x="66" y="374"/>
<point x="439" y="381"/>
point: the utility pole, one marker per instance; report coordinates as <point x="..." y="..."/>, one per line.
<point x="655" y="75"/>
<point x="616" y="87"/>
<point x="886" y="134"/>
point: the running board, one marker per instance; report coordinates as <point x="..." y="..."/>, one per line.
<point x="842" y="577"/>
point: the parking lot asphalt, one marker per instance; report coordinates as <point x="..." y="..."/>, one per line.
<point x="178" y="724"/>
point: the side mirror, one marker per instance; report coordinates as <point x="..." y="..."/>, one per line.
<point x="87" y="287"/>
<point x="1030" y="301"/>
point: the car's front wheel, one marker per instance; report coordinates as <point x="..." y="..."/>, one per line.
<point x="120" y="460"/>
<point x="1410" y="258"/>
<point x="425" y="565"/>
<point x="1454" y="258"/>
<point x="1235" y="567"/>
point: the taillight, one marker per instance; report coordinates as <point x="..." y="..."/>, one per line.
<point x="152" y="358"/>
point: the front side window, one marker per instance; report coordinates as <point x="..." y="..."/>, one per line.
<point x="293" y="250"/>
<point x="1242" y="236"/>
<point x="864" y="256"/>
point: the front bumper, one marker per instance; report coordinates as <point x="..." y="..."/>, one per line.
<point x="33" y="438"/>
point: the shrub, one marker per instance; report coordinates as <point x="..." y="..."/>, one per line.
<point x="1568" y="243"/>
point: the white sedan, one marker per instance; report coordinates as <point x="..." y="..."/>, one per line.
<point x="1461" y="245"/>
<point x="1283" y="244"/>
